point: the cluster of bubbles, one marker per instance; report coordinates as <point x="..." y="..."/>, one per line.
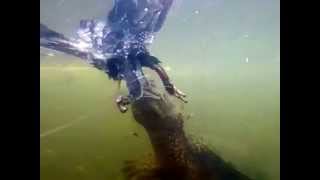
<point x="102" y="42"/>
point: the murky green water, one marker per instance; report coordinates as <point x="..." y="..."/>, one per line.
<point x="223" y="54"/>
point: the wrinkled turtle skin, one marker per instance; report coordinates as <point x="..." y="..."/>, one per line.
<point x="175" y="156"/>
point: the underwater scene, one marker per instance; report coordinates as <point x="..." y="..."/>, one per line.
<point x="223" y="54"/>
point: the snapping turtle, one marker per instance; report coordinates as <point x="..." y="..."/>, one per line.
<point x="175" y="156"/>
